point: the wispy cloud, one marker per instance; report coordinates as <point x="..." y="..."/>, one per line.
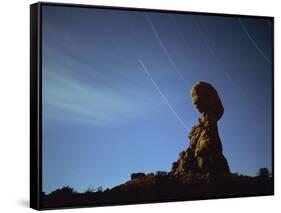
<point x="69" y="99"/>
<point x="79" y="91"/>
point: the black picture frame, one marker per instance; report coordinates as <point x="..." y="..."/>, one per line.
<point x="36" y="101"/>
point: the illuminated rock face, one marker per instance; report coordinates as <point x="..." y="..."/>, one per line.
<point x="204" y="154"/>
<point x="206" y="100"/>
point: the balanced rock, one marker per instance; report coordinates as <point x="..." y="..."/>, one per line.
<point x="204" y="154"/>
<point x="206" y="100"/>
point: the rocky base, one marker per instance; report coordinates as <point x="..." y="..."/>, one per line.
<point x="164" y="187"/>
<point x="204" y="153"/>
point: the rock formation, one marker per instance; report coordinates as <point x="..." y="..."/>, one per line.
<point x="204" y="154"/>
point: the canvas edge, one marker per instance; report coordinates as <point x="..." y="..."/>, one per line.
<point x="273" y="107"/>
<point x="35" y="107"/>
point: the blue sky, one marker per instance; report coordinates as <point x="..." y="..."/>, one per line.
<point x="116" y="91"/>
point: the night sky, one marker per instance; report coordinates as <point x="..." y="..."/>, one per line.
<point x="116" y="91"/>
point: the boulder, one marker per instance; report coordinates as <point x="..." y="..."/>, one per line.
<point x="137" y="175"/>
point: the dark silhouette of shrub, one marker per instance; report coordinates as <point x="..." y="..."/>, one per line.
<point x="92" y="190"/>
<point x="63" y="192"/>
<point x="99" y="189"/>
<point x="161" y="173"/>
<point x="264" y="172"/>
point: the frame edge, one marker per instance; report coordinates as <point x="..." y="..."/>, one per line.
<point x="35" y="147"/>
